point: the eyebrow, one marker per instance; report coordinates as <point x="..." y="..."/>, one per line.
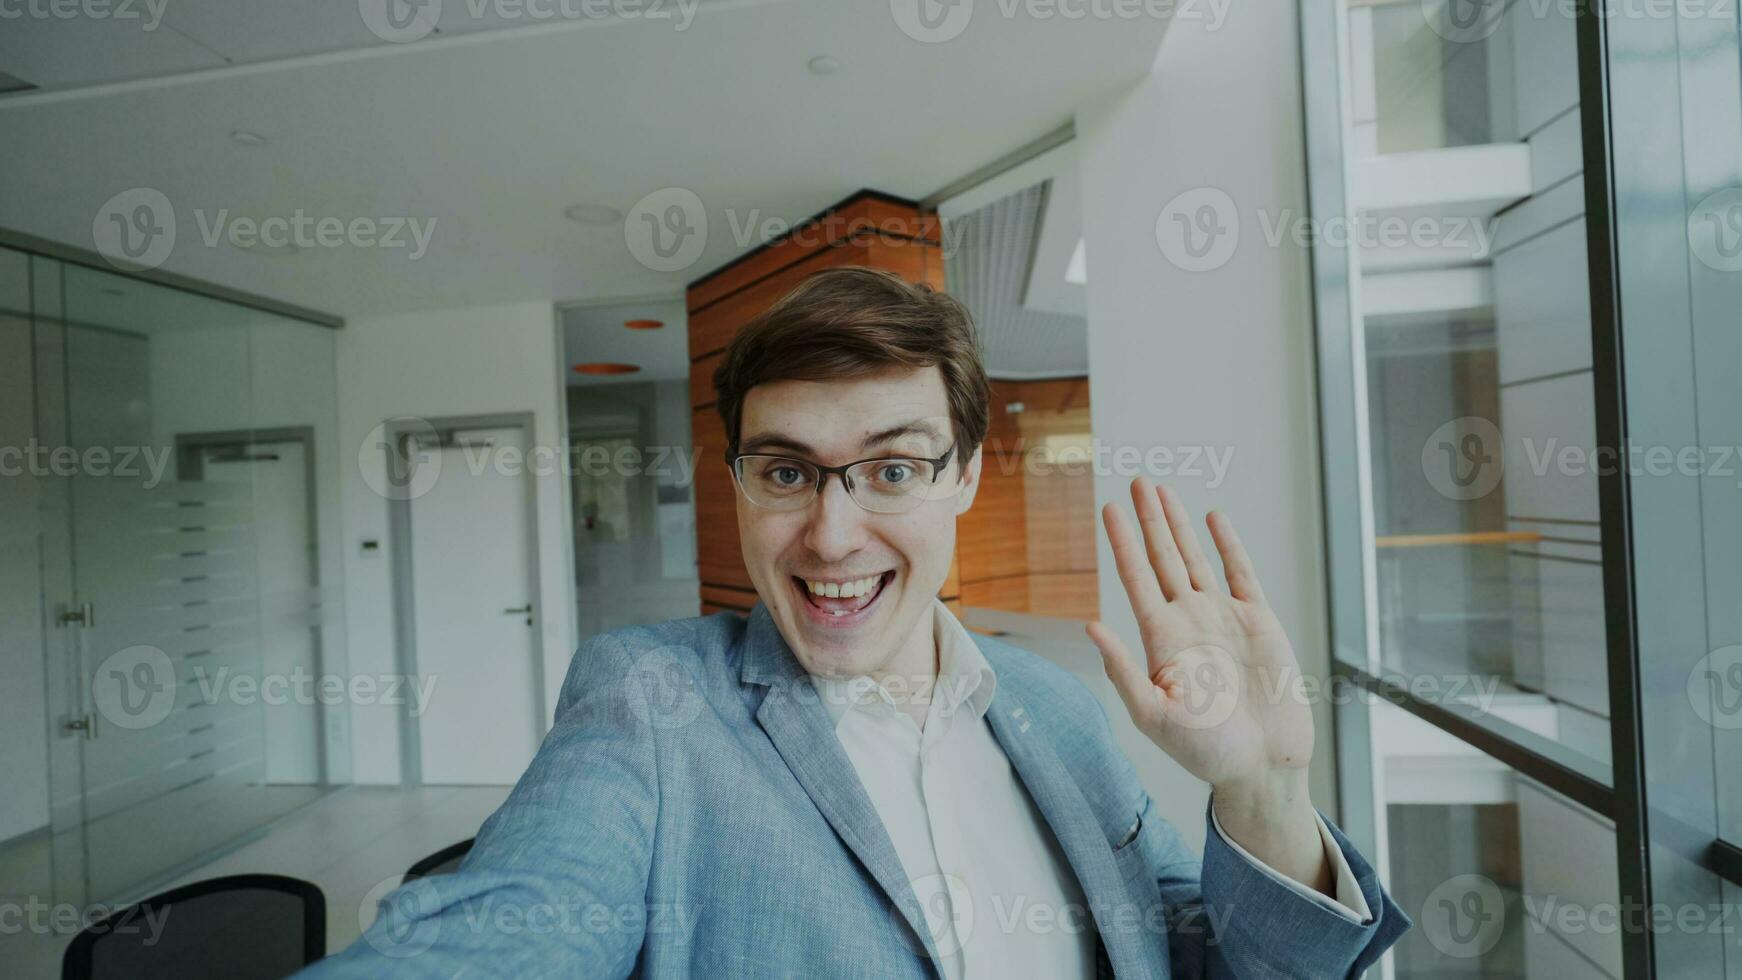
<point x="776" y="441"/>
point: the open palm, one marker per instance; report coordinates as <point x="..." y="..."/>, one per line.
<point x="1218" y="689"/>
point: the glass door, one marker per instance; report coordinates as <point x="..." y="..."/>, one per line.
<point x="173" y="530"/>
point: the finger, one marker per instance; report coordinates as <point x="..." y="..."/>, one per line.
<point x="1242" y="577"/>
<point x="1164" y="557"/>
<point x="1126" y="673"/>
<point x="1203" y="577"/>
<point x="1134" y="571"/>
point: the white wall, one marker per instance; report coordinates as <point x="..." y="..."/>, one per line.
<point x="1221" y="358"/>
<point x="487" y="360"/>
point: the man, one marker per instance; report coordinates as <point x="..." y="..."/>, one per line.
<point x="849" y="784"/>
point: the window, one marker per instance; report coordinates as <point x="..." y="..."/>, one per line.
<point x="1527" y="266"/>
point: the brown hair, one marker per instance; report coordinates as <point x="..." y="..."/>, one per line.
<point x="854" y="322"/>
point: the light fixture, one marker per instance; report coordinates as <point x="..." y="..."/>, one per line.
<point x="605" y="368"/>
<point x="644" y="324"/>
<point x="823" y="64"/>
<point x="243" y="137"/>
<point x="592" y="214"/>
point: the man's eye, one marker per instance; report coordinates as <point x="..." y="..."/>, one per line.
<point x="787" y="476"/>
<point x="895" y="473"/>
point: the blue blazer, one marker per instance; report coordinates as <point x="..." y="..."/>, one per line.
<point x="692" y="813"/>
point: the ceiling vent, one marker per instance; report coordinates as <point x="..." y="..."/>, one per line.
<point x="988" y="259"/>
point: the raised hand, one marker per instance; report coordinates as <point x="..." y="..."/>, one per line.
<point x="1218" y="688"/>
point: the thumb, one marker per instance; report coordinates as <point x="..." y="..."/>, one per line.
<point x="1128" y="677"/>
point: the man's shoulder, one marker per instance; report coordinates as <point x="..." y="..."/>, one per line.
<point x="704" y="647"/>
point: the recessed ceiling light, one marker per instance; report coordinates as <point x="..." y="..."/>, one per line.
<point x="823" y="64"/>
<point x="644" y="324"/>
<point x="592" y="214"/>
<point x="243" y="137"/>
<point x="605" y="367"/>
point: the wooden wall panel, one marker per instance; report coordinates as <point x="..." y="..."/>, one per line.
<point x="712" y="327"/>
<point x="719" y="559"/>
<point x="863" y="213"/>
<point x="868" y="229"/>
<point x="1028" y="543"/>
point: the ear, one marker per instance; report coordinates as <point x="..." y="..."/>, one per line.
<point x="970" y="484"/>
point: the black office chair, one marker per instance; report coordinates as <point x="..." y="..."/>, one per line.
<point x="443" y="862"/>
<point x="242" y="927"/>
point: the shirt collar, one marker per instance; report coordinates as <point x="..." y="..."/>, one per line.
<point x="964" y="677"/>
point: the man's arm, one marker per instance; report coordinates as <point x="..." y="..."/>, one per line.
<point x="541" y="890"/>
<point x="1218" y="688"/>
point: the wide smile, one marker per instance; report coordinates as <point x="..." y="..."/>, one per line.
<point x="837" y="603"/>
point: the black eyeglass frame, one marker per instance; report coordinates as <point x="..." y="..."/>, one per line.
<point x="938" y="465"/>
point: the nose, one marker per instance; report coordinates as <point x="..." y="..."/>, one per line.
<point x="836" y="525"/>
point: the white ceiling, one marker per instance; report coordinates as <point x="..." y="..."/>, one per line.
<point x="491" y="130"/>
<point x="597" y="334"/>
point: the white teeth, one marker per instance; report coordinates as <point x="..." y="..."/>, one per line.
<point x="844" y="590"/>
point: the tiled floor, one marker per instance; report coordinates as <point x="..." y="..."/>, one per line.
<point x="355" y="845"/>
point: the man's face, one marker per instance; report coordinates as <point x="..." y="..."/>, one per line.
<point x="899" y="560"/>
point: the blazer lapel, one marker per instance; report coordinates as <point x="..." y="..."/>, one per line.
<point x="802" y="732"/>
<point x="1074" y="825"/>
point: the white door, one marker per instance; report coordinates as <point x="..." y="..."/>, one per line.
<point x="476" y="629"/>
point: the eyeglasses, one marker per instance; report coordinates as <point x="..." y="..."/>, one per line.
<point x="887" y="485"/>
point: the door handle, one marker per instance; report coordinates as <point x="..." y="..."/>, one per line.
<point x="525" y="610"/>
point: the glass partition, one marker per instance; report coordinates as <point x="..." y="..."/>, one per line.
<point x="172" y="520"/>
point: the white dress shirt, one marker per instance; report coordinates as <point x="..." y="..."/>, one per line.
<point x="999" y="897"/>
